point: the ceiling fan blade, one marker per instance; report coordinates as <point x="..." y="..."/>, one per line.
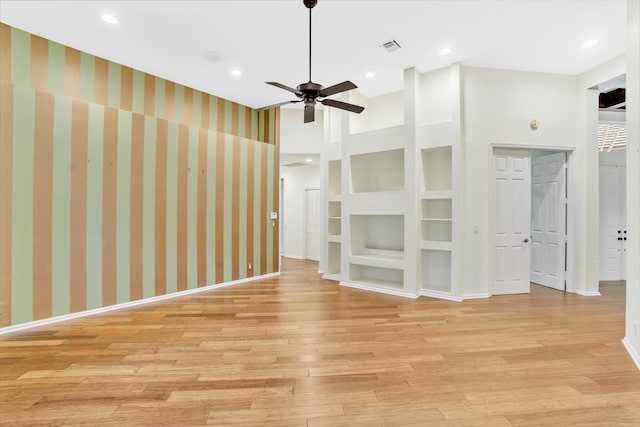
<point x="340" y="87"/>
<point x="309" y="112"/>
<point x="343" y="105"/>
<point x="277" y="105"/>
<point x="285" y="87"/>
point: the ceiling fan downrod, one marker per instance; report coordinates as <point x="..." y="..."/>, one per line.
<point x="310" y="4"/>
<point x="310" y="93"/>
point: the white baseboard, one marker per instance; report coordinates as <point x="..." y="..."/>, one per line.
<point x="334" y="277"/>
<point x="632" y="351"/>
<point x="380" y="289"/>
<point x="92" y="312"/>
<point x="588" y="293"/>
<point x="475" y="296"/>
<point x="440" y="295"/>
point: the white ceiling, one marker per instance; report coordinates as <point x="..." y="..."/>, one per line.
<point x="197" y="43"/>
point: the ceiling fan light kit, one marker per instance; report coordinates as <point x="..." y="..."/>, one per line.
<point x="311" y="92"/>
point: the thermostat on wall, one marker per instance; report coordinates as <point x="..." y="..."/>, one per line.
<point x="274" y="215"/>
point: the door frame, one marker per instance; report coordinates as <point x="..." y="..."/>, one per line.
<point x="570" y="254"/>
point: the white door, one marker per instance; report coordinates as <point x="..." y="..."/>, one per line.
<point x="312" y="224"/>
<point x="513" y="220"/>
<point x="548" y="220"/>
<point x="612" y="222"/>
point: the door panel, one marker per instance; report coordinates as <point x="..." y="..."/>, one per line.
<point x="513" y="202"/>
<point x="547" y="219"/>
<point x="612" y="222"/>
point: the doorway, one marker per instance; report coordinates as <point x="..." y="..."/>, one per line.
<point x="531" y="219"/>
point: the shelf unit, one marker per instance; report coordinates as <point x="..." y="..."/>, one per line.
<point x="377" y="237"/>
<point x="333" y="254"/>
<point x="436" y="166"/>
<point x="334" y="219"/>
<point x="392" y="192"/>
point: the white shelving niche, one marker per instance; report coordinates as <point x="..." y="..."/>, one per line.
<point x="378" y="171"/>
<point x="391" y="192"/>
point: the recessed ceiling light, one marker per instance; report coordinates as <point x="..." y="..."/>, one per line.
<point x="308" y="160"/>
<point x="236" y="73"/>
<point x="589" y="43"/>
<point x="110" y="19"/>
<point x="445" y="51"/>
<point x="370" y="75"/>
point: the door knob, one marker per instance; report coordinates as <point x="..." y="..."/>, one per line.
<point x="525" y="240"/>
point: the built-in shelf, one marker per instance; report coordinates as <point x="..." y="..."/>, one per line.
<point x="438" y="230"/>
<point x="436" y="245"/>
<point x="377" y="276"/>
<point x="433" y="209"/>
<point x="436" y="169"/>
<point x="377" y="236"/>
<point x="444" y="194"/>
<point x="436" y="270"/>
<point x="335" y="209"/>
<point x="334" y="226"/>
<point x="377" y="171"/>
<point x="392" y="215"/>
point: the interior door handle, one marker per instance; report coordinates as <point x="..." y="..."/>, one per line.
<point x="525" y="240"/>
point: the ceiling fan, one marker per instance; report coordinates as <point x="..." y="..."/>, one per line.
<point x="311" y="92"/>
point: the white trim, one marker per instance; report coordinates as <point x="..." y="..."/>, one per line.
<point x="380" y="290"/>
<point x="440" y="295"/>
<point x="632" y="351"/>
<point x="476" y="296"/>
<point x="588" y="293"/>
<point x="334" y="277"/>
<point x="294" y="257"/>
<point x="86" y="313"/>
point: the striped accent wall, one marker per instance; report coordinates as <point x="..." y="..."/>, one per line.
<point x="116" y="185"/>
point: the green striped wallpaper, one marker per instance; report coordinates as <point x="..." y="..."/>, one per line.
<point x="116" y="185"/>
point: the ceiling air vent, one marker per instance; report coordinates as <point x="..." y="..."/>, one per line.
<point x="295" y="165"/>
<point x="390" y="46"/>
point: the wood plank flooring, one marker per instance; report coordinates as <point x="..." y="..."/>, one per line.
<point x="300" y="351"/>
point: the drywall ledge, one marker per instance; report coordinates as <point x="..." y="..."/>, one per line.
<point x="93" y="312"/>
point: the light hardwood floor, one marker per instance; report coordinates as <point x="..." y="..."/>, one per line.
<point x="300" y="351"/>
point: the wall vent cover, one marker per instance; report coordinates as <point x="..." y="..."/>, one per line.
<point x="390" y="46"/>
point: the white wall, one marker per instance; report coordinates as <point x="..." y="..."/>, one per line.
<point x="436" y="97"/>
<point x="296" y="181"/>
<point x="297" y="136"/>
<point x="498" y="106"/>
<point x="380" y="112"/>
<point x="632" y="338"/>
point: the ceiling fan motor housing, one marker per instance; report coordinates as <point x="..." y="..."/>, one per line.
<point x="310" y="90"/>
<point x="310" y="3"/>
